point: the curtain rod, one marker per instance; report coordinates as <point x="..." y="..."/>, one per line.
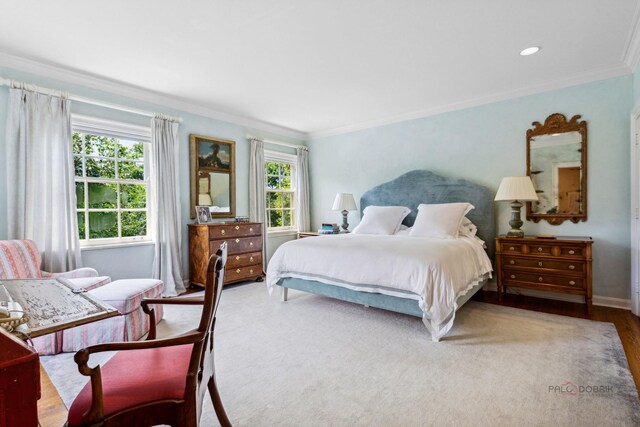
<point x="274" y="142"/>
<point x="85" y="100"/>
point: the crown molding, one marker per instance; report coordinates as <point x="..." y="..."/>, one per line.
<point x="590" y="76"/>
<point x="134" y="92"/>
<point x="631" y="53"/>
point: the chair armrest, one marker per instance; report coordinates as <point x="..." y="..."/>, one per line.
<point x="188" y="338"/>
<point x="176" y="301"/>
<point x="151" y="312"/>
<point x="73" y="274"/>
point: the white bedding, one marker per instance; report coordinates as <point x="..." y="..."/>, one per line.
<point x="433" y="271"/>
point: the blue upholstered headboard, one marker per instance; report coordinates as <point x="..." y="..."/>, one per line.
<point x="423" y="186"/>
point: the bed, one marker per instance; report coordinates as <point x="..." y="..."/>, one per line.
<point x="427" y="278"/>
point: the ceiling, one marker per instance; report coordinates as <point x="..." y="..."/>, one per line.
<point x="326" y="66"/>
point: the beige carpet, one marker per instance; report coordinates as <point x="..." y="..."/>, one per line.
<point x="315" y="361"/>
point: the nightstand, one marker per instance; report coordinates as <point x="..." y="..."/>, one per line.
<point x="561" y="264"/>
<point x="303" y="234"/>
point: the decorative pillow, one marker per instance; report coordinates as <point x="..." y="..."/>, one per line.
<point x="440" y="220"/>
<point x="381" y="220"/>
<point x="467" y="228"/>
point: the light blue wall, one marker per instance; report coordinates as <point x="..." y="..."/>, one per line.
<point x="484" y="144"/>
<point x="636" y="86"/>
<point x="137" y="261"/>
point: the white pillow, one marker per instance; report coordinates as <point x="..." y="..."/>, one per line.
<point x="381" y="220"/>
<point x="467" y="228"/>
<point x="403" y="230"/>
<point x="439" y="221"/>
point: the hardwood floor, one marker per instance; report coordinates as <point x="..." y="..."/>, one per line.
<point x="52" y="411"/>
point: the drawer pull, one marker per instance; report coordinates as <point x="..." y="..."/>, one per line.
<point x="571" y="282"/>
<point x="250" y="258"/>
<point x="238" y="270"/>
<point x="540" y="264"/>
<point x="511" y="248"/>
<point x="237" y="227"/>
<point x="250" y="243"/>
<point x="251" y="229"/>
<point x="572" y="267"/>
<point x="571" y="252"/>
<point x="513" y="276"/>
<point x="540" y="279"/>
<point x="251" y="271"/>
<point x="237" y="240"/>
<point x="222" y="231"/>
<point x="238" y="258"/>
<point x="512" y="262"/>
<point x="539" y="249"/>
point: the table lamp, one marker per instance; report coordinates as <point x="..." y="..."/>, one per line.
<point x="344" y="202"/>
<point x="516" y="189"/>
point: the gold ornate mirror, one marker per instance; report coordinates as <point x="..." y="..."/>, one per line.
<point x="557" y="165"/>
<point x="212" y="169"/>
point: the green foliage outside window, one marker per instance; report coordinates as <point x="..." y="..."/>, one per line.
<point x="279" y="194"/>
<point x="117" y="208"/>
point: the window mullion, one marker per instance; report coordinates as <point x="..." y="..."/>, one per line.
<point x="86" y="210"/>
<point x="119" y="214"/>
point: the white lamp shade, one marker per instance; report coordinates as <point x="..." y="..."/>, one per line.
<point x="516" y="188"/>
<point x="344" y="202"/>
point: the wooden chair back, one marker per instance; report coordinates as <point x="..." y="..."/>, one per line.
<point x="200" y="373"/>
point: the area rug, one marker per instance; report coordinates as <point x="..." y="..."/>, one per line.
<point x="314" y="361"/>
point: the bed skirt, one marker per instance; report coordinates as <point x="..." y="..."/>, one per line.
<point x="385" y="302"/>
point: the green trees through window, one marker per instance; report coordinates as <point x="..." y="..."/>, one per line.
<point x="111" y="191"/>
<point x="280" y="195"/>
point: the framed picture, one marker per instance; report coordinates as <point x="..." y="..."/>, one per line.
<point x="203" y="214"/>
<point x="212" y="175"/>
<point x="214" y="154"/>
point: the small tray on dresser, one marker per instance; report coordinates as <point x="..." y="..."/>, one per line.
<point x="562" y="264"/>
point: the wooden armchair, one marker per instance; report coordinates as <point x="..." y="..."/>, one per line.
<point x="157" y="381"/>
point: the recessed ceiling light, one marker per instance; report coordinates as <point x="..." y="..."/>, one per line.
<point x="530" y="51"/>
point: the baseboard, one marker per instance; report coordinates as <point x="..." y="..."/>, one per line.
<point x="621" y="303"/>
<point x="624" y="304"/>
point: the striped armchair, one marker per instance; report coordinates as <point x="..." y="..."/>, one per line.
<point x="20" y="259"/>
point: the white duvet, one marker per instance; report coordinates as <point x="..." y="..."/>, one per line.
<point x="436" y="272"/>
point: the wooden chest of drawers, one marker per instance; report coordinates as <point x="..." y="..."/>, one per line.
<point x="244" y="250"/>
<point x="558" y="265"/>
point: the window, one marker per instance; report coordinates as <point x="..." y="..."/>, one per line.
<point x="280" y="173"/>
<point x="111" y="177"/>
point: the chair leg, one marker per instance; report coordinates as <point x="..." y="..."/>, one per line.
<point x="217" y="403"/>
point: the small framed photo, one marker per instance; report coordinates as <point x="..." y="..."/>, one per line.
<point x="204" y="214"/>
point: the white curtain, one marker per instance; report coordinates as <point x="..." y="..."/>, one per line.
<point x="40" y="176"/>
<point x="257" y="198"/>
<point x="165" y="204"/>
<point x="302" y="188"/>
